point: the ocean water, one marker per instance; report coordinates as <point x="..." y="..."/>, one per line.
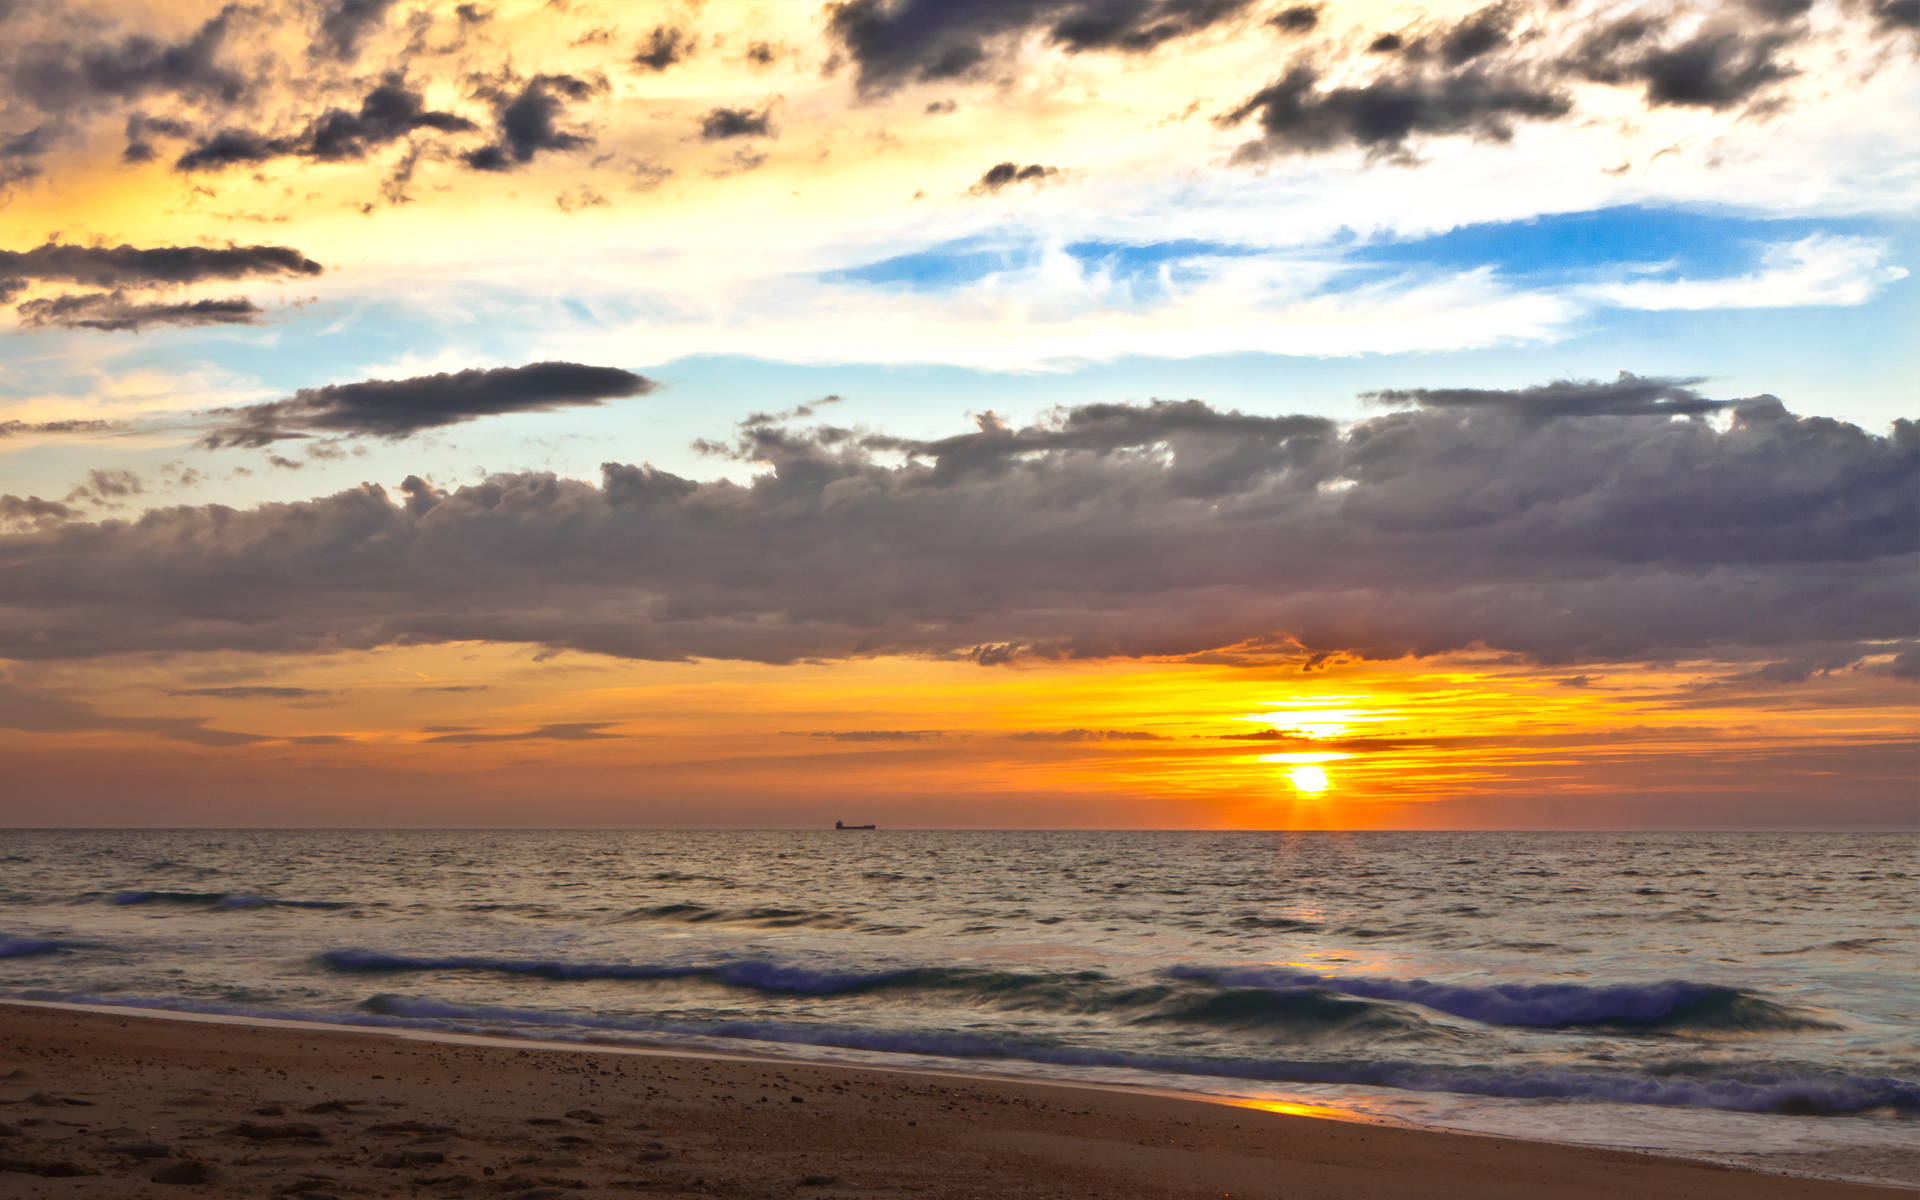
<point x="1696" y="993"/>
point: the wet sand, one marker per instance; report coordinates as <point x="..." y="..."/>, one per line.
<point x="100" y="1104"/>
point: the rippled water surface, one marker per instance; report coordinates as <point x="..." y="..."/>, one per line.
<point x="1687" y="991"/>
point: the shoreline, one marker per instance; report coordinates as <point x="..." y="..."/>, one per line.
<point x="666" y="1119"/>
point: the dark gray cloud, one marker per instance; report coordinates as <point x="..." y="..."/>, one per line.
<point x="1721" y="66"/>
<point x="572" y="731"/>
<point x="19" y="155"/>
<point x="1299" y="19"/>
<point x="126" y="266"/>
<point x="1483" y="32"/>
<point x="1896" y="14"/>
<point x="907" y="41"/>
<point x="529" y="122"/>
<point x="1905" y="665"/>
<point x="127" y="270"/>
<point x="667" y="45"/>
<point x="722" y="123"/>
<point x="57" y="77"/>
<point x="141" y="129"/>
<point x="116" y="312"/>
<point x="386" y="114"/>
<point x="33" y="510"/>
<point x="108" y="486"/>
<point x="1161" y="529"/>
<point x="345" y="22"/>
<point x="1001" y="175"/>
<point x="253" y="693"/>
<point x="1629" y="395"/>
<point x="1298" y="116"/>
<point x="396" y="408"/>
<point x="1779" y="10"/>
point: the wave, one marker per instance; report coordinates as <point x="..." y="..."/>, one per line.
<point x="1869" y="945"/>
<point x="1670" y="1006"/>
<point x="766" y="918"/>
<point x="1806" y="1093"/>
<point x="24" y="947"/>
<point x="221" y="900"/>
<point x="1795" y="1091"/>
<point x="1248" y="999"/>
<point x="1280" y="923"/>
<point x="748" y="973"/>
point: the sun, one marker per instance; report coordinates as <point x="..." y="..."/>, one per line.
<point x="1309" y="779"/>
<point x="1304" y="771"/>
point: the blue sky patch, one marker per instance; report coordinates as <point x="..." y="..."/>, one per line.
<point x="1695" y="244"/>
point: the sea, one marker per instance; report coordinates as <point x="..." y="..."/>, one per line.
<point x="1751" y="997"/>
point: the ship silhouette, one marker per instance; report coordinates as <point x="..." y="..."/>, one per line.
<point x="841" y="825"/>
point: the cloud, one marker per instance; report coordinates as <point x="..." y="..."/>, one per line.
<point x="1298" y="116"/>
<point x="1607" y="532"/>
<point x="386" y="114"/>
<point x="912" y="41"/>
<point x="1905" y="665"/>
<point x="1483" y="32"/>
<point x="1719" y="67"/>
<point x="1629" y="395"/>
<point x="1006" y="173"/>
<point x="879" y="735"/>
<point x="1300" y="18"/>
<point x="106" y="487"/>
<point x="573" y="731"/>
<point x="666" y="46"/>
<point x="32" y="510"/>
<point x="345" y="22"/>
<point x="140" y="131"/>
<point x="397" y="408"/>
<point x="32" y="711"/>
<point x="156" y="266"/>
<point x="1087" y="735"/>
<point x="1818" y="269"/>
<point x="722" y="123"/>
<point x="12" y="428"/>
<point x="58" y="76"/>
<point x="114" y="312"/>
<point x="252" y="693"/>
<point x="1896" y="14"/>
<point x="529" y="122"/>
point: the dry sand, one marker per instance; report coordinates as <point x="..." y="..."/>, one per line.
<point x="98" y="1104"/>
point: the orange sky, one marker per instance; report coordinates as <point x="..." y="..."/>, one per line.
<point x="1426" y="413"/>
<point x="472" y="734"/>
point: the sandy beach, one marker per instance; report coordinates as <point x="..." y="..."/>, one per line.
<point x="100" y="1104"/>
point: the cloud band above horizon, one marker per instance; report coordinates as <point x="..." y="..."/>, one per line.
<point x="1566" y="523"/>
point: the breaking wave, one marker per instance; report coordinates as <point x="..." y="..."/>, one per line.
<point x="24" y="947"/>
<point x="1794" y="1090"/>
<point x="751" y="973"/>
<point x="1670" y="1006"/>
<point x="1248" y="999"/>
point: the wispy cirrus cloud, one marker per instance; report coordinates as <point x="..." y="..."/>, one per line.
<point x="1822" y="269"/>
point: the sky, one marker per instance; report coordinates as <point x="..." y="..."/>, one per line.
<point x="1137" y="414"/>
